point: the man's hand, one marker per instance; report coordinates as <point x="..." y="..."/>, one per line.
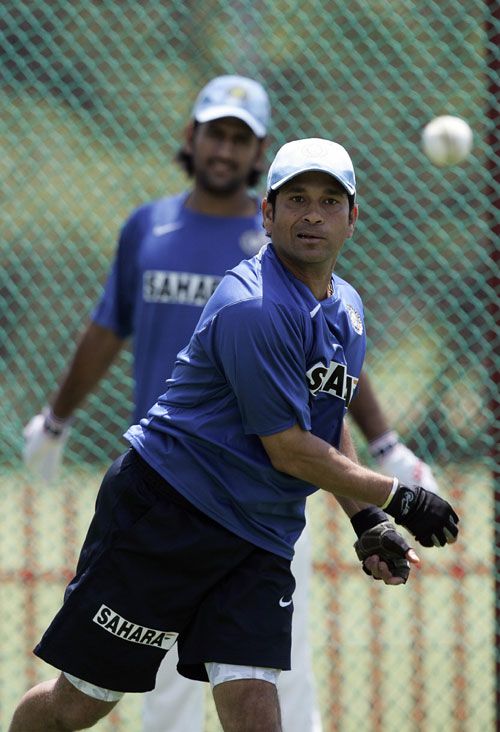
<point x="430" y="518"/>
<point x="394" y="458"/>
<point x="45" y="437"/>
<point x="384" y="553"/>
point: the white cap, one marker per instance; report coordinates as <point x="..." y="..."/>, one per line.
<point x="314" y="153"/>
<point x="234" y="96"/>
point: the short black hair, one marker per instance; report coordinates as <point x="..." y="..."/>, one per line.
<point x="185" y="160"/>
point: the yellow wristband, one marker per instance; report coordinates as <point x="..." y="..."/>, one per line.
<point x="395" y="484"/>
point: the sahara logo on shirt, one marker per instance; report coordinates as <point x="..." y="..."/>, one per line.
<point x="332" y="379"/>
<point x="180" y="288"/>
<point x="109" y="620"/>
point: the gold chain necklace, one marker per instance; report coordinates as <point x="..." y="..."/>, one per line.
<point x="329" y="289"/>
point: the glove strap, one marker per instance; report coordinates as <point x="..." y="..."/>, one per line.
<point x="367" y="518"/>
<point x="55" y="425"/>
<point x="383" y="444"/>
<point x="395" y="485"/>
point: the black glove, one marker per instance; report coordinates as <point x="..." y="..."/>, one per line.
<point x="376" y="535"/>
<point x="430" y="518"/>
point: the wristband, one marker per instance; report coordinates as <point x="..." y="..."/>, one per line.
<point x="55" y="425"/>
<point x="367" y="518"/>
<point x="380" y="445"/>
<point x="395" y="485"/>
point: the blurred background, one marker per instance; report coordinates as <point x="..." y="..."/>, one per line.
<point x="95" y="97"/>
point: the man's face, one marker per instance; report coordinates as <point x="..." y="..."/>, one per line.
<point x="310" y="221"/>
<point x="225" y="151"/>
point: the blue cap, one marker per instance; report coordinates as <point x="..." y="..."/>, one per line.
<point x="234" y="96"/>
<point x="314" y="153"/>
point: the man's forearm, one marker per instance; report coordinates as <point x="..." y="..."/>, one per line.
<point x="93" y="356"/>
<point x="349" y="505"/>
<point x="366" y="411"/>
<point x="305" y="456"/>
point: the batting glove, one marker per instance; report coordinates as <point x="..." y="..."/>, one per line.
<point x="394" y="458"/>
<point x="376" y="535"/>
<point x="430" y="518"/>
<point x="45" y="437"/>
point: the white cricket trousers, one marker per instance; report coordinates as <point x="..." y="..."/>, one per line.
<point x="177" y="704"/>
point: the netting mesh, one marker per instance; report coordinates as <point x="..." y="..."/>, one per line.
<point x="95" y="99"/>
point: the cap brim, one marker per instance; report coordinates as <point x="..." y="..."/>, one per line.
<point x="218" y="112"/>
<point x="322" y="169"/>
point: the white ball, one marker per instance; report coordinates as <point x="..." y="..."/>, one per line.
<point x="447" y="140"/>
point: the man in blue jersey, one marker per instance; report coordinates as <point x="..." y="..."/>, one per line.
<point x="171" y="254"/>
<point x="196" y="524"/>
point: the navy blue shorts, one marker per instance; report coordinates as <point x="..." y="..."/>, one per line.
<point x="154" y="569"/>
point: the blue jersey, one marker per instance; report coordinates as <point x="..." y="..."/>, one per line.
<point x="265" y="355"/>
<point x="169" y="261"/>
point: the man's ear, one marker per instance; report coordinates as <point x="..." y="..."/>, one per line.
<point x="188" y="137"/>
<point x="267" y="216"/>
<point x="353" y="217"/>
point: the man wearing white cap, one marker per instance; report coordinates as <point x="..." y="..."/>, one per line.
<point x="171" y="255"/>
<point x="196" y="523"/>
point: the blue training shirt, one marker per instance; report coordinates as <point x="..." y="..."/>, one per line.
<point x="265" y="355"/>
<point x="168" y="262"/>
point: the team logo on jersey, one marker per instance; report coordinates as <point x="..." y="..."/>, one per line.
<point x="355" y="318"/>
<point x="178" y="288"/>
<point x="111" y="621"/>
<point x="252" y="241"/>
<point x="332" y="379"/>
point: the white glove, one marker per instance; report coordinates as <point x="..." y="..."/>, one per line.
<point x="45" y="437"/>
<point x="394" y="458"/>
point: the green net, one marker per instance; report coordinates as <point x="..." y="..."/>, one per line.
<point x="96" y="96"/>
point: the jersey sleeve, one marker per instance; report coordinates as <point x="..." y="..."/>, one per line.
<point x="115" y="308"/>
<point x="260" y="351"/>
